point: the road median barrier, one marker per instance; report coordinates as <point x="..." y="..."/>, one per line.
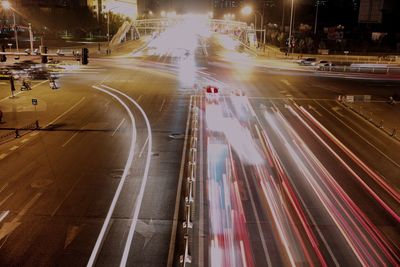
<point x="185" y="235"/>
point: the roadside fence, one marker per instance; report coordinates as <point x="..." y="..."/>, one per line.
<point x="13" y="133"/>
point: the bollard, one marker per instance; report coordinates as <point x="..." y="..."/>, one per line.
<point x="186" y="258"/>
<point x="381" y="124"/>
<point x="17" y="133"/>
<point x="188" y="223"/>
<point x="394" y="132"/>
<point x="193" y="141"/>
<point x="189" y="199"/>
<point x="193" y="155"/>
<point x="37" y="124"/>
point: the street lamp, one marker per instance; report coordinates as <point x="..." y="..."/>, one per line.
<point x="7" y="6"/>
<point x="290" y="26"/>
<point x="108" y="23"/>
<point x="247" y="10"/>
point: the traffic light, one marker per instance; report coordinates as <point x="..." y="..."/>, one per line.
<point x="3" y="58"/>
<point x="85" y="56"/>
<point x="44" y="58"/>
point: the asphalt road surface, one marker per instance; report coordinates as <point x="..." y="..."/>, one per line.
<point x="289" y="177"/>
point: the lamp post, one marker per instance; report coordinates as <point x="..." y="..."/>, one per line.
<point x="290" y="27"/>
<point x="316" y="17"/>
<point x="7" y="6"/>
<point x="108" y="24"/>
<point x="247" y="10"/>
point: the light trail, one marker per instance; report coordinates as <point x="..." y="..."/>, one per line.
<point x="362" y="236"/>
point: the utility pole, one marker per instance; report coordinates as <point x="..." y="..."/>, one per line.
<point x="290" y="27"/>
<point x="316" y="17"/>
<point x="31" y="36"/>
<point x="283" y="15"/>
<point x="15" y="32"/>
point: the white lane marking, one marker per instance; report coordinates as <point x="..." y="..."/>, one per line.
<point x="128" y="164"/>
<point x="65" y="112"/>
<point x="34" y="133"/>
<point x="253" y="205"/>
<point x="179" y="191"/>
<point x="139" y="98"/>
<point x="139" y="199"/>
<point x="286" y="82"/>
<point x="24" y="140"/>
<point x="5" y="199"/>
<point x="14" y="148"/>
<point x="36" y="85"/>
<point x="119" y="126"/>
<point x="162" y="104"/>
<point x="3" y="187"/>
<point x="313" y="109"/>
<point x="4" y="215"/>
<point x="69" y="140"/>
<point x="2" y="156"/>
<point x="144" y="146"/>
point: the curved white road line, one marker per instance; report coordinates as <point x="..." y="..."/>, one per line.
<point x="139" y="199"/>
<point x="128" y="164"/>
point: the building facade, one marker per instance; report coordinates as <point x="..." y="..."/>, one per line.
<point x="126" y="8"/>
<point x="370" y="11"/>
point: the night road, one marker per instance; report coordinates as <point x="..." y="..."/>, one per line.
<point x="285" y="174"/>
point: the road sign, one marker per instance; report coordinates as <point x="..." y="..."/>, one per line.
<point x="350" y="98"/>
<point x="34" y="101"/>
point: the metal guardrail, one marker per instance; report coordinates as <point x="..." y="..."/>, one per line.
<point x="378" y="70"/>
<point x="18" y="132"/>
<point x="187" y="225"/>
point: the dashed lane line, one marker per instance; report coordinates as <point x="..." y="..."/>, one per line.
<point x="14" y="148"/>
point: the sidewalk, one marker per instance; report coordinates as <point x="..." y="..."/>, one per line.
<point x="381" y="114"/>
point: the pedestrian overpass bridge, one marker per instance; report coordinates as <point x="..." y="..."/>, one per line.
<point x="135" y="29"/>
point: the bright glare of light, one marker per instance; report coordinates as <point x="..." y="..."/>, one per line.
<point x="229" y="16"/>
<point x="150" y="12"/>
<point x="247" y="10"/>
<point x="210" y="14"/>
<point x="171" y="14"/>
<point x="183" y="38"/>
<point x="163" y="14"/>
<point x="6" y="4"/>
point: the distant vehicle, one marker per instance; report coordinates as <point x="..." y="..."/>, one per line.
<point x="53" y="84"/>
<point x="60" y="52"/>
<point x="212" y="93"/>
<point x="310" y="61"/>
<point x="324" y="63"/>
<point x="212" y="90"/>
<point x="26" y="85"/>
